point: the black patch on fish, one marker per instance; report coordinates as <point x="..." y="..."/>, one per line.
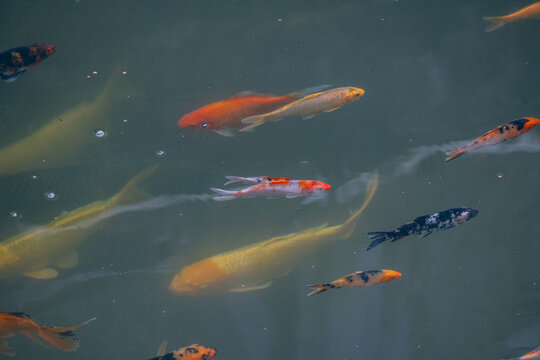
<point x="501" y="129"/>
<point x="372" y="272"/>
<point x="520" y="123"/>
<point x="20" y="314"/>
<point x="364" y="277"/>
<point x="204" y="357"/>
<point x="349" y="278"/>
<point x="192" y="350"/>
<point x="168" y="356"/>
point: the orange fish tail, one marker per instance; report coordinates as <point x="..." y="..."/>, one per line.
<point x="319" y="288"/>
<point x="452" y="154"/>
<point x="495" y="22"/>
<point x="62" y="338"/>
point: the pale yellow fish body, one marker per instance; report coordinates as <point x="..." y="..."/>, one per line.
<point x="255" y="266"/>
<point x="307" y="107"/>
<point x="37" y="252"/>
<point x="60" y="142"/>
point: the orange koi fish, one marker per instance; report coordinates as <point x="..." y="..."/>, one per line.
<point x="62" y="338"/>
<point x="253" y="180"/>
<point x="223" y="116"/>
<point x="502" y="133"/>
<point x="533" y="355"/>
<point x="14" y="62"/>
<point x="191" y="352"/>
<point x="308" y="107"/>
<point x="357" y="279"/>
<point x="286" y="188"/>
<point x="529" y="12"/>
<point x="257" y="265"/>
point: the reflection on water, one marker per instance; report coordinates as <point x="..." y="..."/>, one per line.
<point x="123" y="74"/>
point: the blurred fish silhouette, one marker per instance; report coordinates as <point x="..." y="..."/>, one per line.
<point x="61" y="141"/>
<point x="14" y="62"/>
<point x="255" y="266"/>
<point x="308" y="106"/>
<point x="34" y="253"/>
<point x="62" y="338"/>
<point x="529" y="12"/>
<point x="224" y="116"/>
<point x="191" y="352"/>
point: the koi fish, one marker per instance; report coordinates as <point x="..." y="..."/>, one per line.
<point x="61" y="141"/>
<point x="533" y="355"/>
<point x="253" y="180"/>
<point x="35" y="253"/>
<point x="500" y="134"/>
<point x="14" y="62"/>
<point x="191" y="352"/>
<point x="255" y="266"/>
<point x="308" y="106"/>
<point x="357" y="279"/>
<point x="62" y="338"/>
<point x="425" y="225"/>
<point x="529" y="12"/>
<point x="285" y="188"/>
<point x="224" y="116"/>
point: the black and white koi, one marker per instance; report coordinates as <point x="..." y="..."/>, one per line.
<point x="425" y="225"/>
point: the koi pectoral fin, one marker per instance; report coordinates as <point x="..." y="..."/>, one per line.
<point x="43" y="274"/>
<point x="224" y="132"/>
<point x="332" y="109"/>
<point x="250" y="288"/>
<point x="5" y="348"/>
<point x="307" y="117"/>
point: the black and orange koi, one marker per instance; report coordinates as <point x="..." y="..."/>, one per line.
<point x="14" y="62"/>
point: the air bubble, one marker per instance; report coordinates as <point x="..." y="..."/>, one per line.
<point x="499" y="175"/>
<point x="51" y="196"/>
<point x="34" y="177"/>
<point x="15" y="215"/>
<point x="160" y="153"/>
<point x="99" y="133"/>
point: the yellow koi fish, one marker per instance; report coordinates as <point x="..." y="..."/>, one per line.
<point x="255" y="266"/>
<point x="61" y="141"/>
<point x="308" y="106"/>
<point x="34" y="253"/>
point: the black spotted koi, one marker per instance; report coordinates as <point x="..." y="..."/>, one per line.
<point x="14" y="62"/>
<point x="357" y="279"/>
<point x="424" y="225"/>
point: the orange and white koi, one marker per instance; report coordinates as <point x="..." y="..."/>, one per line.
<point x="529" y="12"/>
<point x="285" y="188"/>
<point x="253" y="180"/>
<point x="62" y="338"/>
<point x="357" y="279"/>
<point x="533" y="355"/>
<point x="308" y="106"/>
<point x="498" y="135"/>
<point x="191" y="352"/>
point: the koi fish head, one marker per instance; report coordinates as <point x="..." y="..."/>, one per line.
<point x="319" y="186"/>
<point x="194" y="120"/>
<point x="194" y="352"/>
<point x="531" y="123"/>
<point x="464" y="214"/>
<point x="203" y="277"/>
<point x="353" y="94"/>
<point x="41" y="51"/>
<point x="389" y="275"/>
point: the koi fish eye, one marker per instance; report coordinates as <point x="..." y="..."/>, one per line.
<point x="204" y="125"/>
<point x="357" y="95"/>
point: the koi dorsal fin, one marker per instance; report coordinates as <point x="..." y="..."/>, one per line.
<point x="248" y="93"/>
<point x="20" y="314"/>
<point x="162" y="348"/>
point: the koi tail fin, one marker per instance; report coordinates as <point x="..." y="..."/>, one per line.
<point x="349" y="226"/>
<point x="233" y="179"/>
<point x="310" y="90"/>
<point x="319" y="288"/>
<point x="452" y="154"/>
<point x="252" y="122"/>
<point x="495" y="22"/>
<point x="130" y="192"/>
<point x="225" y="194"/>
<point x="377" y="237"/>
<point x="62" y="338"/>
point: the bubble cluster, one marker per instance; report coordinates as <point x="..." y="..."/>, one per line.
<point x="50" y="195"/>
<point x="15" y="215"/>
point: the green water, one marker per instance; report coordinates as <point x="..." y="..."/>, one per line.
<point x="433" y="79"/>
